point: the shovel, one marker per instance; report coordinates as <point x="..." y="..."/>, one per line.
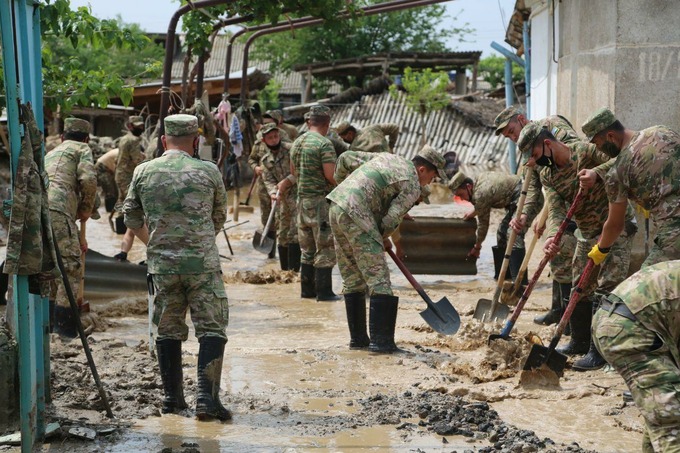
<point x="505" y="333"/>
<point x="540" y="355"/>
<point x="261" y="242"/>
<point x="250" y="191"/>
<point x="441" y="316"/>
<point x="490" y="310"/>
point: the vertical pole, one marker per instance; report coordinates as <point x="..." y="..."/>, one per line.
<point x="509" y="100"/>
<point x="527" y="65"/>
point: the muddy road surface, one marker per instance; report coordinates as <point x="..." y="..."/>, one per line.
<point x="294" y="386"/>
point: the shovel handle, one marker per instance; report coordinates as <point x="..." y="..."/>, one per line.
<point x="270" y="219"/>
<point x="525" y="264"/>
<point x="250" y="191"/>
<point x="404" y="270"/>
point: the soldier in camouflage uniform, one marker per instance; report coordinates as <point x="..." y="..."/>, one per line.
<point x="559" y="176"/>
<point x="71" y="194"/>
<point x="365" y="209"/>
<point x="287" y="131"/>
<point x="647" y="171"/>
<point x="637" y="330"/>
<point x="495" y="190"/>
<point x="313" y="164"/>
<point x="257" y="152"/>
<point x="510" y="123"/>
<point x="185" y="204"/>
<point x="276" y="177"/>
<point x="106" y="177"/>
<point x="370" y="139"/>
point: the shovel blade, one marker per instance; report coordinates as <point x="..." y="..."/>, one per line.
<point x="262" y="244"/>
<point x="497" y="336"/>
<point x="540" y="355"/>
<point x="508" y="294"/>
<point x="443" y="318"/>
<point x="483" y="311"/>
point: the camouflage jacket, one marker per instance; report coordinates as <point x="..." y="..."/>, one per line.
<point x="257" y="152"/>
<point x="493" y="190"/>
<point x="130" y="154"/>
<point x="378" y="194"/>
<point x="648" y="172"/>
<point x="185" y="205"/>
<point x="350" y="161"/>
<point x="561" y="128"/>
<point x="276" y="167"/>
<point x="290" y="130"/>
<point x="72" y="178"/>
<point x="371" y="139"/>
<point x="308" y="154"/>
<point x="562" y="185"/>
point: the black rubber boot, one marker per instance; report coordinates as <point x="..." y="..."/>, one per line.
<point x="64" y="322"/>
<point x="581" y="320"/>
<point x="382" y="322"/>
<point x="272" y="252"/>
<point x="555" y="313"/>
<point x="307" y="281"/>
<point x="210" y="355"/>
<point x="592" y="360"/>
<point x="283" y="257"/>
<point x="498" y="255"/>
<point x="294" y="257"/>
<point x="170" y="362"/>
<point x="565" y="290"/>
<point x="355" y="306"/>
<point x="515" y="264"/>
<point x="324" y="285"/>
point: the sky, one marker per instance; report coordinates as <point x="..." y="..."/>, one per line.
<point x="488" y="17"/>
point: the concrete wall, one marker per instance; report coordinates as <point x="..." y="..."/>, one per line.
<point x="543" y="99"/>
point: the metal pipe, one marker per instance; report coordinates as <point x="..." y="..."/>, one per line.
<point x="527" y="66"/>
<point x="509" y="100"/>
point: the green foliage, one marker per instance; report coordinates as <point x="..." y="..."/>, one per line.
<point x="492" y="69"/>
<point x="268" y="97"/>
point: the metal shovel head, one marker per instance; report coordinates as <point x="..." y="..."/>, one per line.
<point x="262" y="244"/>
<point x="483" y="311"/>
<point x="443" y="318"/>
<point x="497" y="336"/>
<point x="540" y="355"/>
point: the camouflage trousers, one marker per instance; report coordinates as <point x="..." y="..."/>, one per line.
<point x="561" y="264"/>
<point x="286" y="219"/>
<point x="107" y="181"/>
<point x="66" y="235"/>
<point x="612" y="271"/>
<point x="314" y="232"/>
<point x="123" y="179"/>
<point x="504" y="227"/>
<point x="645" y="354"/>
<point x="666" y="244"/>
<point x="265" y="201"/>
<point x="361" y="258"/>
<point x="202" y="294"/>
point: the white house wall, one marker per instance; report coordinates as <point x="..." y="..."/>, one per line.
<point x="543" y="99"/>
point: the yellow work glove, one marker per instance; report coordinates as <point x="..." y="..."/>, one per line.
<point x="642" y="210"/>
<point x="597" y="255"/>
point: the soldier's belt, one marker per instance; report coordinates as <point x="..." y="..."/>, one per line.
<point x="618" y="308"/>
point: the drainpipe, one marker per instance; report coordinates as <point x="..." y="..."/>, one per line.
<point x="527" y="64"/>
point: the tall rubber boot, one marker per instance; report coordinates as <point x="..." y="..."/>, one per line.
<point x="307" y="281"/>
<point x="498" y="255"/>
<point x="283" y="257"/>
<point x="555" y="313"/>
<point x="382" y="322"/>
<point x="210" y="356"/>
<point x="64" y="322"/>
<point x="272" y="252"/>
<point x="355" y="306"/>
<point x="324" y="285"/>
<point x="565" y="290"/>
<point x="294" y="254"/>
<point x="170" y="362"/>
<point x="592" y="360"/>
<point x="515" y="264"/>
<point x="580" y="321"/>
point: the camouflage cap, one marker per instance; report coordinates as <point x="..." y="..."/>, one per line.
<point x="435" y="158"/>
<point x="456" y="181"/>
<point x="267" y="128"/>
<point x="273" y="114"/>
<point x="76" y="125"/>
<point x="425" y="192"/>
<point x="528" y="136"/>
<point x="342" y="127"/>
<point x="318" y="111"/>
<point x="181" y="124"/>
<point x="598" y="121"/>
<point x="505" y="116"/>
<point x="136" y="121"/>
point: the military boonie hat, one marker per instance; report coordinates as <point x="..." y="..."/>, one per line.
<point x="136" y="121"/>
<point x="435" y="158"/>
<point x="76" y="125"/>
<point x="425" y="192"/>
<point x="505" y="116"/>
<point x="597" y="122"/>
<point x="342" y="127"/>
<point x="318" y="111"/>
<point x="528" y="136"/>
<point x="456" y="181"/>
<point x="273" y="114"/>
<point x="181" y="124"/>
<point x="267" y="128"/>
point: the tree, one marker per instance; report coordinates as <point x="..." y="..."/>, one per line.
<point x="425" y="93"/>
<point x="492" y="69"/>
<point x="415" y="29"/>
<point x="268" y="97"/>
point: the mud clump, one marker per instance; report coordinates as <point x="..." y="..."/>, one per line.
<point x="542" y="377"/>
<point x="262" y="277"/>
<point x="472" y="335"/>
<point x="125" y="306"/>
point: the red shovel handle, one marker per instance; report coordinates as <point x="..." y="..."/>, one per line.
<point x="404" y="270"/>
